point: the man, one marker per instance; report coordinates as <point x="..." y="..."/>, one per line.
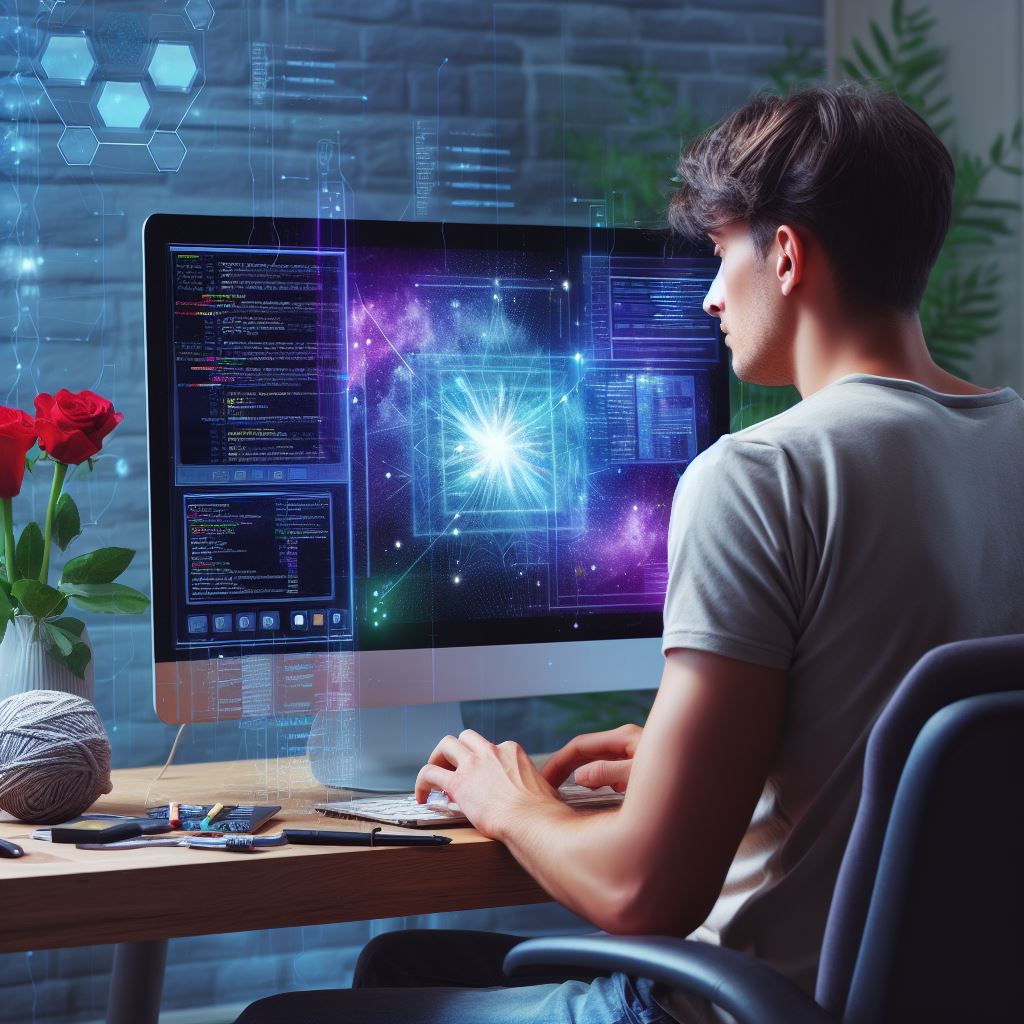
<point x="813" y="558"/>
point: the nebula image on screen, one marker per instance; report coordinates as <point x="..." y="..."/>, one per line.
<point x="519" y="429"/>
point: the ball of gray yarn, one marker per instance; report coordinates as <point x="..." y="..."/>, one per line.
<point x="54" y="756"/>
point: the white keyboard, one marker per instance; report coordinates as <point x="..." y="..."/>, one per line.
<point x="438" y="813"/>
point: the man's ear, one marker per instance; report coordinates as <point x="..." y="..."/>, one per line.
<point x="789" y="253"/>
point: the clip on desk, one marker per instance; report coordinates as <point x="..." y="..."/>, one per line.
<point x="57" y="896"/>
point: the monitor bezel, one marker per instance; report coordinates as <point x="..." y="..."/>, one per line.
<point x="163" y="230"/>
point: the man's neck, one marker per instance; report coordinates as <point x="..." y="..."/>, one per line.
<point x="886" y="346"/>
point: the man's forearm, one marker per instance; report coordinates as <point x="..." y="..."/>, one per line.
<point x="585" y="860"/>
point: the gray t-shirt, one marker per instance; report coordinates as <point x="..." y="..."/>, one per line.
<point x="841" y="540"/>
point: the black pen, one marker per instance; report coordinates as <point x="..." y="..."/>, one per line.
<point x="324" y="837"/>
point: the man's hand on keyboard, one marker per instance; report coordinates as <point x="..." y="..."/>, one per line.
<point x="597" y="758"/>
<point x="489" y="782"/>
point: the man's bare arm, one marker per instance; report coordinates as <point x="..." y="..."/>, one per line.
<point x="657" y="863"/>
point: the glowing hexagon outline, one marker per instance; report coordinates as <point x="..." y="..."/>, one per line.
<point x="44" y="83"/>
<point x="204" y="8"/>
<point x="156" y="138"/>
<point x="160" y="79"/>
<point x="69" y="37"/>
<point x="131" y="85"/>
<point x="78" y="128"/>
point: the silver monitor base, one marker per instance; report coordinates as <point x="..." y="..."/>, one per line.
<point x="378" y="750"/>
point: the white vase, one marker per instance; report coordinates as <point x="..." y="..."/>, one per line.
<point x="25" y="664"/>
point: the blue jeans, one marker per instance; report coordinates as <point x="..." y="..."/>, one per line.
<point x="454" y="977"/>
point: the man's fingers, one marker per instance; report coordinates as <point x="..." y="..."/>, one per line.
<point x="604" y="773"/>
<point x="590" y="747"/>
<point x="433" y="776"/>
<point x="472" y="739"/>
<point x="449" y="753"/>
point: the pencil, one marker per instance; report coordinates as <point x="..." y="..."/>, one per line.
<point x="212" y="816"/>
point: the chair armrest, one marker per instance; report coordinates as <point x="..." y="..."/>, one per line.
<point x="748" y="989"/>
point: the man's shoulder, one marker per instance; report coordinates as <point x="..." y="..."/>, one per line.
<point x="841" y="410"/>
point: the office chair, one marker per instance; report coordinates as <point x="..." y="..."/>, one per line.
<point x="927" y="914"/>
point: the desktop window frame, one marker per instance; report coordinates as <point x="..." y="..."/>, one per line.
<point x="161" y="231"/>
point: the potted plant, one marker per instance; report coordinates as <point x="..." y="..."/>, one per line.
<point x="41" y="647"/>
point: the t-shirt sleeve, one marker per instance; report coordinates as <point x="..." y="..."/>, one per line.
<point x="735" y="540"/>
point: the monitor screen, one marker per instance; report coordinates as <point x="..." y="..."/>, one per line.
<point x="373" y="438"/>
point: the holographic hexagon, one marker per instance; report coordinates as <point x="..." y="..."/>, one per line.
<point x="200" y="13"/>
<point x="113" y="87"/>
<point x="78" y="145"/>
<point x="122" y="40"/>
<point x="167" y="150"/>
<point x="173" y="66"/>
<point x="122" y="105"/>
<point x="67" y="59"/>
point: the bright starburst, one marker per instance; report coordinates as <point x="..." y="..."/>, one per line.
<point x="501" y="456"/>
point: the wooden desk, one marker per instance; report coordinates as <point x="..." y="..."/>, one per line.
<point x="58" y="895"/>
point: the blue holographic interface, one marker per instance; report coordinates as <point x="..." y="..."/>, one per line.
<point x="382" y="448"/>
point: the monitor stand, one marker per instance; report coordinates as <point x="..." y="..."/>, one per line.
<point x="378" y="750"/>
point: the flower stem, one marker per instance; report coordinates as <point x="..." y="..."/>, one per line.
<point x="8" y="518"/>
<point x="60" y="470"/>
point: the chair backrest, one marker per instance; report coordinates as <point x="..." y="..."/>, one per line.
<point x="945" y="676"/>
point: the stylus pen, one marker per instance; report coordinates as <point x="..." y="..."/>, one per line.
<point x="322" y="837"/>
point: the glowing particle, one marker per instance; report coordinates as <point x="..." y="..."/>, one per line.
<point x="367" y="341"/>
<point x="565" y="398"/>
<point x="376" y="593"/>
<point x="355" y="400"/>
<point x="375" y="622"/>
<point x="387" y="476"/>
<point x="636" y="508"/>
<point x="538" y="583"/>
<point x="398" y="543"/>
<point x="565" y="286"/>
<point x="375" y="610"/>
<point x="456" y="579"/>
<point x="575" y="625"/>
<point x="385" y="615"/>
<point x="593" y="568"/>
<point x="579" y="357"/>
<point x="355" y="344"/>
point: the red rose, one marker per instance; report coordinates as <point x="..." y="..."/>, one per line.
<point x="17" y="435"/>
<point x="72" y="426"/>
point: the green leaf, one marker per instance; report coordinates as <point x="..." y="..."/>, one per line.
<point x="28" y="555"/>
<point x="65" y="648"/>
<point x="881" y="42"/>
<point x="101" y="566"/>
<point x="62" y="640"/>
<point x="78" y="659"/>
<point x="897" y="17"/>
<point x="110" y="598"/>
<point x="74" y="626"/>
<point x="6" y="612"/>
<point x="866" y="62"/>
<point x="38" y="599"/>
<point x="67" y="524"/>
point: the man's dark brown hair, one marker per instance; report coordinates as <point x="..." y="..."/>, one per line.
<point x="860" y="169"/>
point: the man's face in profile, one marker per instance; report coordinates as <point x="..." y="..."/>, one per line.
<point x="746" y="298"/>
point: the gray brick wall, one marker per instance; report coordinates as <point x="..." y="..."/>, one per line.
<point x="519" y="69"/>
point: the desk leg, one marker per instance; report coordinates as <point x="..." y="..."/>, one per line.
<point x="137" y="982"/>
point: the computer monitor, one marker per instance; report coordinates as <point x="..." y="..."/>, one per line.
<point x="401" y="463"/>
